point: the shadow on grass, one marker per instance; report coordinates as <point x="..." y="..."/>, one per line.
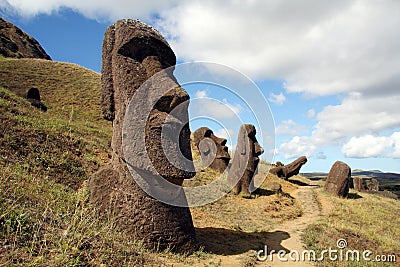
<point x="263" y="192"/>
<point x="353" y="196"/>
<point x="222" y="241"/>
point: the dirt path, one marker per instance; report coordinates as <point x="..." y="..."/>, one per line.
<point x="286" y="236"/>
<point x="311" y="213"/>
<point x="289" y="239"/>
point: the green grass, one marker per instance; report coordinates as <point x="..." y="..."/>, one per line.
<point x="367" y="223"/>
<point x="45" y="217"/>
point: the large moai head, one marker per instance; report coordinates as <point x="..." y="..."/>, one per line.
<point x="212" y="149"/>
<point x="132" y="53"/>
<point x="151" y="139"/>
<point x="246" y="159"/>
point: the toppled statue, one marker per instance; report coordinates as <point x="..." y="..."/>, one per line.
<point x="33" y="96"/>
<point x="213" y="152"/>
<point x="132" y="53"/>
<point x="287" y="171"/>
<point x="245" y="161"/>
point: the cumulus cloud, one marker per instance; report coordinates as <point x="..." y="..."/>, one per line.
<point x="343" y="124"/>
<point x="296" y="147"/>
<point x="94" y="9"/>
<point x="277" y="99"/>
<point x="367" y="146"/>
<point x="316" y="47"/>
<point x="355" y="116"/>
<point x="289" y="127"/>
<point x="203" y="105"/>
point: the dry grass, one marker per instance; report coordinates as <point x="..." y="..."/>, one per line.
<point x="366" y="221"/>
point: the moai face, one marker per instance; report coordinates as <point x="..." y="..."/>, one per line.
<point x="254" y="148"/>
<point x="212" y="149"/>
<point x="245" y="161"/>
<point x="132" y="53"/>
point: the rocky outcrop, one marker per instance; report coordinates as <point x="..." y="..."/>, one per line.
<point x="17" y="44"/>
<point x="338" y="180"/>
<point x="287" y="171"/>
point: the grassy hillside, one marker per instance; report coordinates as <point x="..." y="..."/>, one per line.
<point x="45" y="216"/>
<point x="365" y="221"/>
<point x="69" y="91"/>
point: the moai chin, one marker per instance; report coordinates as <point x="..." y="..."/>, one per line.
<point x="213" y="152"/>
<point x="245" y="161"/>
<point x="132" y="53"/>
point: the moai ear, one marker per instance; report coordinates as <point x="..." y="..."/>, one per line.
<point x="243" y="140"/>
<point x="204" y="147"/>
<point x="107" y="83"/>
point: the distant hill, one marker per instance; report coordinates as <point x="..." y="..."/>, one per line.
<point x="16" y="43"/>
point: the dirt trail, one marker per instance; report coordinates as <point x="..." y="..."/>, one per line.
<point x="286" y="236"/>
<point x="311" y="213"/>
<point x="314" y="206"/>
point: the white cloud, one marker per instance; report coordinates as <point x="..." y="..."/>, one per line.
<point x="316" y="47"/>
<point x="201" y="94"/>
<point x="212" y="108"/>
<point x="356" y="115"/>
<point x="367" y="146"/>
<point x="296" y="147"/>
<point x="95" y="9"/>
<point x="277" y="99"/>
<point x="289" y="127"/>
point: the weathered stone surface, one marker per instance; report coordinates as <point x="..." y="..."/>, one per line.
<point x="338" y="180"/>
<point x="365" y="184"/>
<point x="33" y="96"/>
<point x="132" y="53"/>
<point x="213" y="152"/>
<point x="289" y="170"/>
<point x="17" y="44"/>
<point x="245" y="161"/>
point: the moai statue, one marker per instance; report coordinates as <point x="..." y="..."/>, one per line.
<point x="338" y="180"/>
<point x="133" y="52"/>
<point x="213" y="152"/>
<point x="287" y="171"/>
<point x="245" y="161"/>
<point x="33" y="96"/>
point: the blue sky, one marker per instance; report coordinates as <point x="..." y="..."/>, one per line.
<point x="330" y="70"/>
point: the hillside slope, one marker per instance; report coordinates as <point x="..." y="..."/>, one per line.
<point x="69" y="91"/>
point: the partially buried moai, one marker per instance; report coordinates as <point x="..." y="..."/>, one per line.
<point x="213" y="152"/>
<point x="132" y="53"/>
<point x="245" y="160"/>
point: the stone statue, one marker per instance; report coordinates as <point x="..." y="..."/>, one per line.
<point x="245" y="161"/>
<point x="287" y="171"/>
<point x="213" y="152"/>
<point x="132" y="53"/>
<point x="338" y="180"/>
